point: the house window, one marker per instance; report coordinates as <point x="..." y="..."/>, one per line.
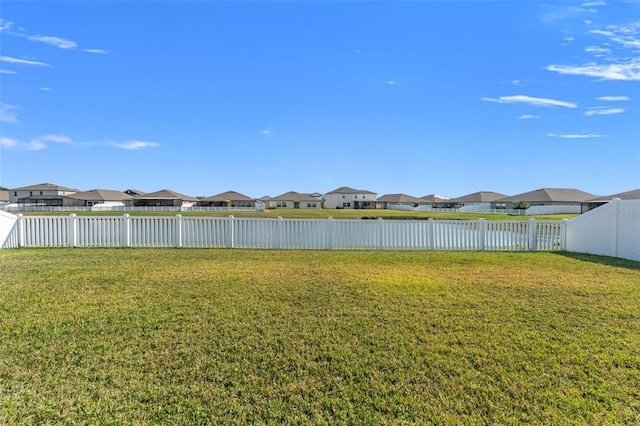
<point x="346" y="204"/>
<point x="15" y="193"/>
<point x="30" y="193"/>
<point x="281" y="204"/>
<point x="310" y="205"/>
<point x="40" y="192"/>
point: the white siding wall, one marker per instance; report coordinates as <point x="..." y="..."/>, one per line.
<point x="338" y="200"/>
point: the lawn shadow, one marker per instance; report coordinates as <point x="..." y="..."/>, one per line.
<point x="602" y="260"/>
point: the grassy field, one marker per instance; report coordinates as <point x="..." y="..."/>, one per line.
<point x="323" y="214"/>
<point x="123" y="336"/>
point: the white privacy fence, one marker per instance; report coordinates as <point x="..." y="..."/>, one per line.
<point x="257" y="233"/>
<point x="610" y="230"/>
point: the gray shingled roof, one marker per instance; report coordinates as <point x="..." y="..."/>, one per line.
<point x="101" y="195"/>
<point x="399" y="198"/>
<point x="165" y="194"/>
<point x="628" y="195"/>
<point x="479" y="197"/>
<point x="347" y="190"/>
<point x="228" y="196"/>
<point x="294" y="196"/>
<point x="568" y="195"/>
<point x="44" y="187"/>
<point x="432" y="198"/>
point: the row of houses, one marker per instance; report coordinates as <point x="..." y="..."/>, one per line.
<point x="544" y="200"/>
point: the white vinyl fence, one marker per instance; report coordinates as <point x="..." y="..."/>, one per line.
<point x="610" y="230"/>
<point x="257" y="233"/>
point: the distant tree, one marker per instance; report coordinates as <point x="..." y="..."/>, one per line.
<point x="521" y="205"/>
<point x="2" y="188"/>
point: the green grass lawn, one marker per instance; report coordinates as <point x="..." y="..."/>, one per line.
<point x="125" y="336"/>
<point x="323" y="214"/>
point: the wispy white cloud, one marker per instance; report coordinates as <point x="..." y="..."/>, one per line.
<point x="55" y="138"/>
<point x="610" y="64"/>
<point x="604" y="111"/>
<point x="8" y="143"/>
<point x="134" y="145"/>
<point x="593" y="4"/>
<point x="7" y="72"/>
<point x="597" y="50"/>
<point x="528" y="117"/>
<point x="5" y="25"/>
<point x="575" y="135"/>
<point x="531" y="101"/>
<point x="35" y="145"/>
<point x="266" y="132"/>
<point x="13" y="60"/>
<point x="626" y="71"/>
<point x="98" y="51"/>
<point x="46" y="89"/>
<point x="393" y="82"/>
<point x="54" y="41"/>
<point x="7" y="115"/>
<point x="613" y="98"/>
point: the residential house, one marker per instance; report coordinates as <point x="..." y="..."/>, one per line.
<point x="547" y="200"/>
<point x="431" y="201"/>
<point x="98" y="196"/>
<point x="397" y="202"/>
<point x="227" y="199"/>
<point x="475" y="202"/>
<point x="43" y="194"/>
<point x="164" y="198"/>
<point x="349" y="198"/>
<point x="597" y="202"/>
<point x="294" y="200"/>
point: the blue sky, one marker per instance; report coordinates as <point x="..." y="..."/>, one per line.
<point x="415" y="97"/>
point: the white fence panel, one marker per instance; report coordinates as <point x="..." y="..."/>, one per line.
<point x="507" y="235"/>
<point x="303" y="234"/>
<point x="250" y="233"/>
<point x="406" y="234"/>
<point x="456" y="235"/>
<point x="153" y="232"/>
<point x="348" y="234"/>
<point x="549" y="235"/>
<point x="205" y="232"/>
<point x="44" y="231"/>
<point x="94" y="231"/>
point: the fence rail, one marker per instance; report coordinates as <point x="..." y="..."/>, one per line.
<point x="309" y="234"/>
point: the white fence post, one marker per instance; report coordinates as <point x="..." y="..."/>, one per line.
<point x="329" y="233"/>
<point x="20" y="230"/>
<point x="73" y="230"/>
<point x="533" y="236"/>
<point x="126" y="230"/>
<point x="563" y="234"/>
<point x="280" y="231"/>
<point x="178" y="231"/>
<point x="432" y="233"/>
<point x="380" y="234"/>
<point x="482" y="226"/>
<point x="230" y="235"/>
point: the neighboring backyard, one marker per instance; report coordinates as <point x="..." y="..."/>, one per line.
<point x="186" y="336"/>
